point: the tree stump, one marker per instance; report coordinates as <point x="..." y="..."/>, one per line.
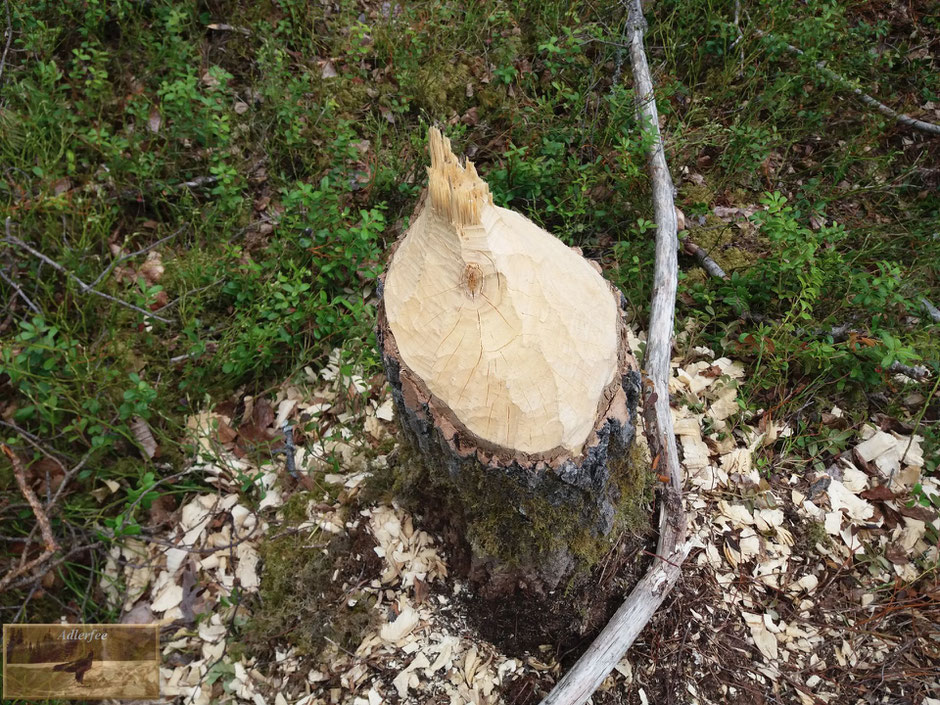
<point x="515" y="387"/>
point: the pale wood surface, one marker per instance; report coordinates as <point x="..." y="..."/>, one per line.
<point x="513" y="330"/>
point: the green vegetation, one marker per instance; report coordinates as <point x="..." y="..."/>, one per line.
<point x="302" y="602"/>
<point x="278" y="146"/>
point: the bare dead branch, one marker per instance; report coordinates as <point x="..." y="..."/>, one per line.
<point x="18" y="290"/>
<point x="918" y="372"/>
<point x="739" y="41"/>
<point x="843" y="82"/>
<point x="85" y="288"/>
<point x="43" y="521"/>
<point x="9" y="35"/>
<point x="613" y="642"/>
<point x="708" y="264"/>
<point x="931" y="310"/>
<point x="22" y="582"/>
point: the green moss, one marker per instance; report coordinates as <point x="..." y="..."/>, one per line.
<point x="721" y="240"/>
<point x="440" y="86"/>
<point x="300" y="602"/>
<point x="815" y="532"/>
<point x="637" y="483"/>
<point x="696" y="195"/>
<point x="503" y="520"/>
<point x="295" y="508"/>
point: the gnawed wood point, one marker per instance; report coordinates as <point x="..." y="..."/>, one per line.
<point x="515" y="332"/>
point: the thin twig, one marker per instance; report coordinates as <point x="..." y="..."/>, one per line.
<point x="19" y="292"/>
<point x="85" y="288"/>
<point x="192" y="292"/>
<point x="141" y="251"/>
<point x="69" y="473"/>
<point x="739" y="42"/>
<point x="9" y="34"/>
<point x="625" y="626"/>
<point x="48" y="539"/>
<point x="63" y="558"/>
<point x="864" y="97"/>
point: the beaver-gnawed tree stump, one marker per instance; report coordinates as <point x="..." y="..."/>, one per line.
<point x="516" y="390"/>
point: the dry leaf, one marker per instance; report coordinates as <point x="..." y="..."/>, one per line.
<point x="152" y="269"/>
<point x="144" y="436"/>
<point x="154" y="120"/>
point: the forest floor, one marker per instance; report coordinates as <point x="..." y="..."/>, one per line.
<point x="196" y="199"/>
<point x="803" y="589"/>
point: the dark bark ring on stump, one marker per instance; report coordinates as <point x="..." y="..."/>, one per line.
<point x="536" y="497"/>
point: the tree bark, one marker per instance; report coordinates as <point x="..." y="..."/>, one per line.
<point x="515" y="387"/>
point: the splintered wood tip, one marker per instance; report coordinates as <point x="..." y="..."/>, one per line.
<point x="457" y="192"/>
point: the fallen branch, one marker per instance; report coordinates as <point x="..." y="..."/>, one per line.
<point x="916" y="372"/>
<point x="48" y="539"/>
<point x="199" y="181"/>
<point x="931" y="310"/>
<point x="625" y="626"/>
<point x="85" y="288"/>
<point x="708" y="264"/>
<point x="864" y="97"/>
<point x="68" y="473"/>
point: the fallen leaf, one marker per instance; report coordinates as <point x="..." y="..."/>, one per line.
<point x="154" y="120"/>
<point x="881" y="493"/>
<point x="152" y="269"/>
<point x="61" y="186"/>
<point x="421" y="591"/>
<point x="139" y="614"/>
<point x="144" y="436"/>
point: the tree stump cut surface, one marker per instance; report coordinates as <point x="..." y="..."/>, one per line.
<point x="507" y="355"/>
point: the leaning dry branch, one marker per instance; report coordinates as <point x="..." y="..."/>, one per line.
<point x="48" y="539"/>
<point x="613" y="642"/>
<point x="864" y="97"/>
